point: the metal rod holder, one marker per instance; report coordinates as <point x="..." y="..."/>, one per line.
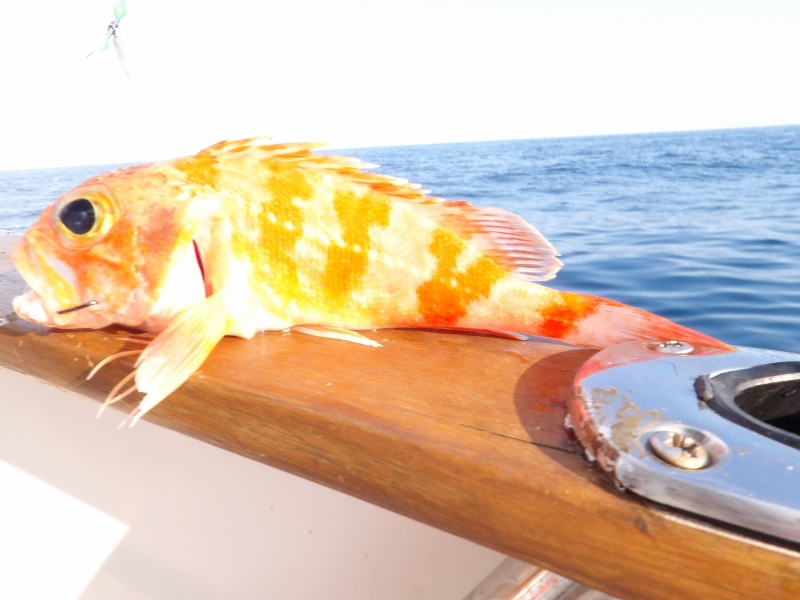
<point x="513" y="579"/>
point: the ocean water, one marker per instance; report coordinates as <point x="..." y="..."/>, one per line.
<point x="700" y="227"/>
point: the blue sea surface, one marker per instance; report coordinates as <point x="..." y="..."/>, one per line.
<point x="700" y="227"/>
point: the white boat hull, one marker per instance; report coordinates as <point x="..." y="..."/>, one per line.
<point x="90" y="511"/>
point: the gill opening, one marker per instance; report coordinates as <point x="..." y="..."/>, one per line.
<point x="202" y="268"/>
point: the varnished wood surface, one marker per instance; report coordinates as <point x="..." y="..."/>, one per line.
<point x="462" y="432"/>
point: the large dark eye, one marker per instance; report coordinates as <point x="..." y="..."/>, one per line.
<point x="78" y="216"/>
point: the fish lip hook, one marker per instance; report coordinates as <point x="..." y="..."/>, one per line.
<point x="79" y="307"/>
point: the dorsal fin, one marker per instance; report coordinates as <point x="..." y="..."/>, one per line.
<point x="300" y="155"/>
<point x="504" y="236"/>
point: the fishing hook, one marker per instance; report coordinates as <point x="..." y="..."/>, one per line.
<point x="79" y="307"/>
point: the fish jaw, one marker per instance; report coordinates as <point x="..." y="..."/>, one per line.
<point x="30" y="307"/>
<point x="53" y="288"/>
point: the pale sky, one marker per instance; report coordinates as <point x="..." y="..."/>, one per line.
<point x="373" y="72"/>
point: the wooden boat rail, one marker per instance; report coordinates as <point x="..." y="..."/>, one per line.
<point x="462" y="432"/>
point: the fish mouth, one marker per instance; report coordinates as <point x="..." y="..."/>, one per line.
<point x="52" y="284"/>
<point x="54" y="299"/>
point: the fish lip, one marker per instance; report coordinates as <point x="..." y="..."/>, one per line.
<point x="30" y="307"/>
<point x="51" y="282"/>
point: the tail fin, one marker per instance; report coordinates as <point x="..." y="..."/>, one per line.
<point x="610" y="323"/>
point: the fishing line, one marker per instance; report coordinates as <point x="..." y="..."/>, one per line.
<point x="120" y="10"/>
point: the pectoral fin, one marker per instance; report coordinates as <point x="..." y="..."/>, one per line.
<point x="179" y="351"/>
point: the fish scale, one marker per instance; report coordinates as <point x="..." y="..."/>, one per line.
<point x="247" y="237"/>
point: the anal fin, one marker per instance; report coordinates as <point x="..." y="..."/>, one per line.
<point x="336" y="333"/>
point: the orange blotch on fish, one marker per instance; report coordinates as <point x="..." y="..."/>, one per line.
<point x="199" y="170"/>
<point x="277" y="224"/>
<point x="345" y="267"/>
<point x="445" y="298"/>
<point x="563" y="314"/>
<point x="288" y="183"/>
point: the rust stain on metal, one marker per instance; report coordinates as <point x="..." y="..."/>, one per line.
<point x="628" y="423"/>
<point x="603" y="398"/>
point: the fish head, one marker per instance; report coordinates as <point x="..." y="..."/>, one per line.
<point x="115" y="249"/>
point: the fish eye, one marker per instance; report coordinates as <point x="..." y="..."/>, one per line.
<point x="78" y="216"/>
<point x="84" y="220"/>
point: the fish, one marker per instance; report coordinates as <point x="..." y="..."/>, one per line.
<point x="248" y="236"/>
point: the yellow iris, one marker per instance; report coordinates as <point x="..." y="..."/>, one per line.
<point x="84" y="220"/>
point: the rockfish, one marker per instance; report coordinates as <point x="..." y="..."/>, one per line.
<point x="247" y="237"/>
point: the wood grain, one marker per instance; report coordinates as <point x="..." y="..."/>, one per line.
<point x="463" y="432"/>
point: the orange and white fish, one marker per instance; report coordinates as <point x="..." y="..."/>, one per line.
<point x="247" y="237"/>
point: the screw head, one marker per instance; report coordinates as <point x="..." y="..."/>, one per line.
<point x="679" y="450"/>
<point x="674" y="347"/>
